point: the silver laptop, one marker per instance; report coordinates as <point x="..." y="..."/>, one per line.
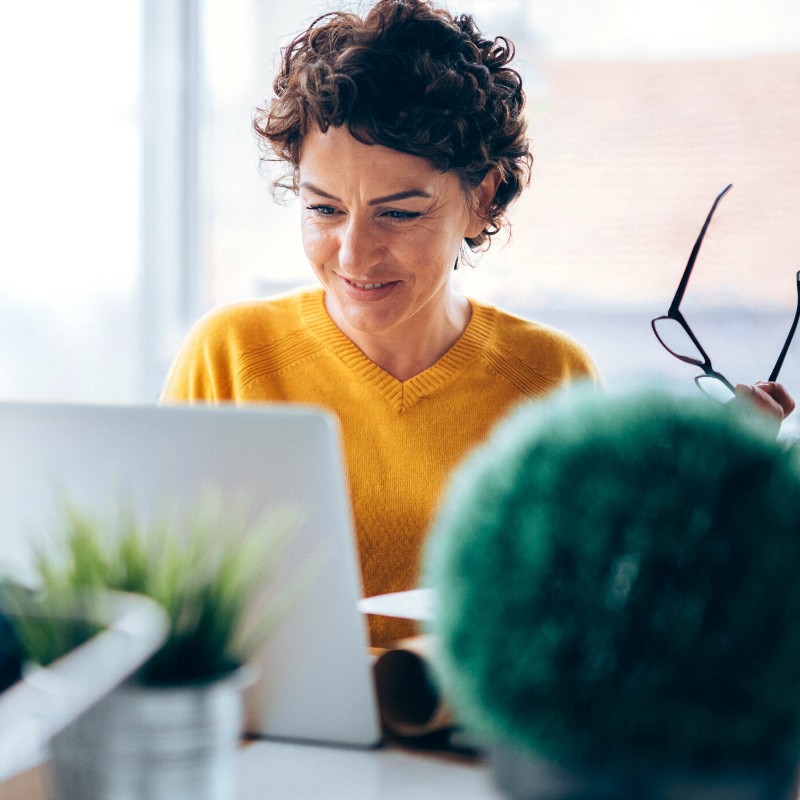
<point x="316" y="681"/>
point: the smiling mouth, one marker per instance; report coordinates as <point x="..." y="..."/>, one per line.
<point x="369" y="285"/>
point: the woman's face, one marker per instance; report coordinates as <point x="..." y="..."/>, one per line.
<point x="382" y="229"/>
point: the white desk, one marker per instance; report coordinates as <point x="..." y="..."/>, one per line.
<point x="277" y="771"/>
<point x="305" y="772"/>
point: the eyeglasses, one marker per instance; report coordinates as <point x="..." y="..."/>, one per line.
<point x="677" y="338"/>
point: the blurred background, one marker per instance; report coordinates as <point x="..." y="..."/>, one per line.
<point x="132" y="200"/>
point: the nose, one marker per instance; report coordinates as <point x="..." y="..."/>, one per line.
<point x="359" y="248"/>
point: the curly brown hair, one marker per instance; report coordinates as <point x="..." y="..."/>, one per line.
<point x="411" y="77"/>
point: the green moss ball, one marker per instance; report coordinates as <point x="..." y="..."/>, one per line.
<point x="620" y="579"/>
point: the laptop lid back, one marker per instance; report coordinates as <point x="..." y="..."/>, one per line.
<point x="316" y="682"/>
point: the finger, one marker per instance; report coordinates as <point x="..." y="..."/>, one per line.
<point x="760" y="400"/>
<point x="779" y="394"/>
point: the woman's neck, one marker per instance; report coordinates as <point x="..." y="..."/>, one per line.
<point x="417" y="343"/>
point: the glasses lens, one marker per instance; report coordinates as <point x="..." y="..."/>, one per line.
<point x="674" y="337"/>
<point x="714" y="388"/>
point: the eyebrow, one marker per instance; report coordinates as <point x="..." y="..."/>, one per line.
<point x="377" y="201"/>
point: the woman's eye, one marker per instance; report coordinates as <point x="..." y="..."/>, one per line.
<point x="401" y="214"/>
<point x="323" y="211"/>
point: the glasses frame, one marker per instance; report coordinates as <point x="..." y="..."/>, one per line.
<point x="674" y="314"/>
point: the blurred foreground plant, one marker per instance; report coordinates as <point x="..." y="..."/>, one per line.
<point x="212" y="575"/>
<point x="617" y="585"/>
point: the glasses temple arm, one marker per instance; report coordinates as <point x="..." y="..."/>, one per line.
<point x="779" y="363"/>
<point x="676" y="301"/>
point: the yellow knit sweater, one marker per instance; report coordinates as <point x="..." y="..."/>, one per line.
<point x="401" y="439"/>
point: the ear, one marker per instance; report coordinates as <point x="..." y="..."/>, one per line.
<point x="482" y="197"/>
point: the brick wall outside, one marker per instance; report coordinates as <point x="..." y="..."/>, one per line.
<point x="629" y="157"/>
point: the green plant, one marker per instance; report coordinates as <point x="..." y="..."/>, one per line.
<point x="618" y="581"/>
<point x="212" y="575"/>
<point x="49" y="625"/>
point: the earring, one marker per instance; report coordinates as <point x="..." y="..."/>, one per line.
<point x="461" y="258"/>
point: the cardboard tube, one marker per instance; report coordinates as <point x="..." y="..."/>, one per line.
<point x="409" y="703"/>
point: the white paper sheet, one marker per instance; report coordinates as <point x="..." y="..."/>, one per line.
<point x="415" y="604"/>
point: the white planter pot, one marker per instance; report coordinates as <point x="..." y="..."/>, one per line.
<point x="153" y="743"/>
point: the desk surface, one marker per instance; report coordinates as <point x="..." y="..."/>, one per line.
<point x="301" y="772"/>
<point x="307" y="772"/>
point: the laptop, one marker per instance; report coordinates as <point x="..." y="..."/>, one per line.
<point x="315" y="677"/>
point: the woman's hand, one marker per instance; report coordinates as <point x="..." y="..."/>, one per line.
<point x="769" y="398"/>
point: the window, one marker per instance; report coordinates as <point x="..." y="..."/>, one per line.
<point x="69" y="75"/>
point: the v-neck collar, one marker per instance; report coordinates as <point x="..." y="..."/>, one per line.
<point x="401" y="395"/>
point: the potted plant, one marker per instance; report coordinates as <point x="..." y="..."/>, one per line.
<point x="619" y="603"/>
<point x="171" y="730"/>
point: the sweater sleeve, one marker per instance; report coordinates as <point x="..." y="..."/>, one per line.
<point x="203" y="368"/>
<point x="538" y="358"/>
<point x="575" y="362"/>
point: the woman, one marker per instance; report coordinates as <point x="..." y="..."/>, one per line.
<point x="405" y="139"/>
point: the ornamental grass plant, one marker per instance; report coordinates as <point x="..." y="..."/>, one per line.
<point x="618" y="585"/>
<point x="212" y="574"/>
